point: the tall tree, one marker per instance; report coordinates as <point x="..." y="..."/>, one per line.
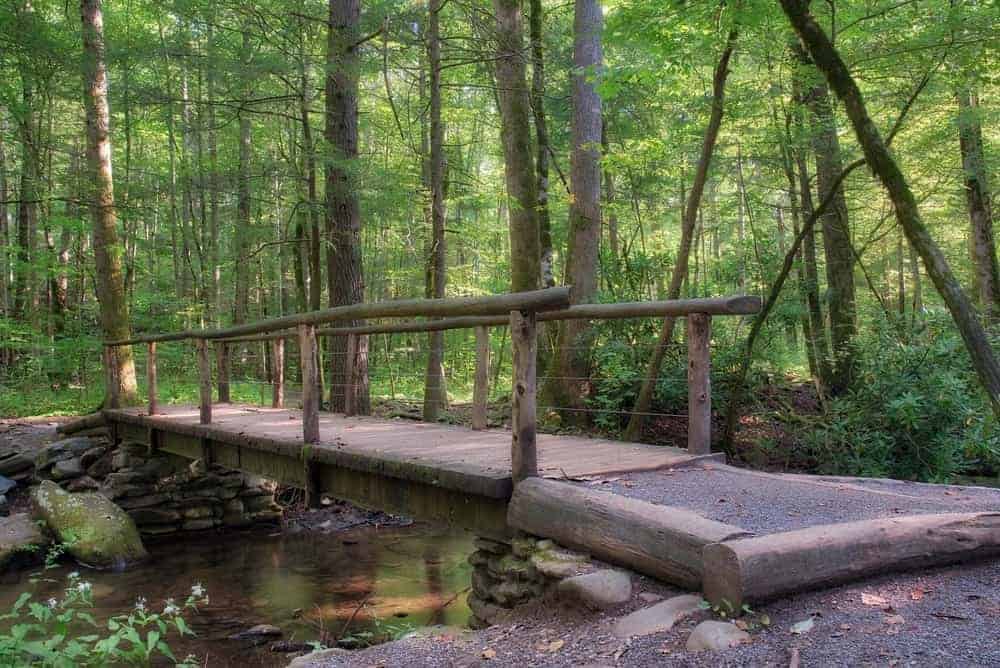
<point x="982" y="243"/>
<point x="519" y="165"/>
<point x="535" y="22"/>
<point x="835" y="227"/>
<point x="244" y="220"/>
<point x="690" y="216"/>
<point x="345" y="281"/>
<point x="569" y="381"/>
<point x="884" y="166"/>
<point x="107" y="248"/>
<point x="435" y="392"/>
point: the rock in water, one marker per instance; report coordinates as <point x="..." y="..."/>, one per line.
<point x="713" y="635"/>
<point x="97" y="532"/>
<point x="598" y="591"/>
<point x="21" y="542"/>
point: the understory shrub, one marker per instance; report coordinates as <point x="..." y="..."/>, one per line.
<point x="916" y="411"/>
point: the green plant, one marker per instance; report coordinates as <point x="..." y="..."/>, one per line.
<point x="62" y="632"/>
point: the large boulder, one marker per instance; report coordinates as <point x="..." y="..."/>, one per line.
<point x="98" y="533"/>
<point x="22" y="542"/>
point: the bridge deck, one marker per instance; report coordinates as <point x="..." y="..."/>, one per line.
<point x="453" y="457"/>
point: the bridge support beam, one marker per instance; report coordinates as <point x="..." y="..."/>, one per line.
<point x="310" y="388"/>
<point x="151" y="377"/>
<point x="222" y="370"/>
<point x="205" y="382"/>
<point x="699" y="334"/>
<point x="481" y="389"/>
<point x="524" y="341"/>
<point x="278" y="373"/>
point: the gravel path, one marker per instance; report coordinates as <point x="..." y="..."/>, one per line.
<point x="771" y="502"/>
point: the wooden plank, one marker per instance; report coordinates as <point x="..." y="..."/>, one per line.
<point x="205" y="381"/>
<point x="310" y="398"/>
<point x="523" y="450"/>
<point x="151" y="377"/>
<point x="481" y="387"/>
<point x="699" y="334"/>
<point x="278" y="373"/>
<point x="350" y="376"/>
<point x="765" y="567"/>
<point x="112" y="383"/>
<point x="664" y="542"/>
<point x="222" y="370"/>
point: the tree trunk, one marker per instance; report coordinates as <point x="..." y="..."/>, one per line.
<point x="542" y="148"/>
<point x="27" y="207"/>
<point x="977" y="198"/>
<point x="241" y="230"/>
<point x="343" y="212"/>
<point x="107" y="250"/>
<point x="569" y="381"/>
<point x="835" y="227"/>
<point x="519" y="166"/>
<point x="309" y="164"/>
<point x="645" y="398"/>
<point x="435" y="393"/>
<point x="881" y="162"/>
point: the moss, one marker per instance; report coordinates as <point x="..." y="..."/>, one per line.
<point x="97" y="532"/>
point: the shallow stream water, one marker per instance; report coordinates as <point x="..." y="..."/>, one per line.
<point x="309" y="584"/>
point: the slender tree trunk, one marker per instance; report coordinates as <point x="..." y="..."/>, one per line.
<point x="343" y="212"/>
<point x="213" y="298"/>
<point x="4" y="231"/>
<point x="836" y="236"/>
<point x="242" y="228"/>
<point x="535" y="23"/>
<point x="568" y="384"/>
<point x="884" y="166"/>
<point x="610" y="217"/>
<point x="645" y="399"/>
<point x="977" y="198"/>
<point x="519" y="165"/>
<point x="309" y="162"/>
<point x="107" y="249"/>
<point x="27" y="207"/>
<point x="435" y="393"/>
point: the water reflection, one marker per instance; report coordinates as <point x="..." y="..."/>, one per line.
<point x="304" y="583"/>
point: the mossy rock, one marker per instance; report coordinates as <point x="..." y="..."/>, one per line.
<point x="22" y="542"/>
<point x="98" y="533"/>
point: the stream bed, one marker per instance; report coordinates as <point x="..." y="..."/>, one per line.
<point x="312" y="585"/>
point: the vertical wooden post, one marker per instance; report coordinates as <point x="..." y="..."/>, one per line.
<point x="314" y="498"/>
<point x="481" y="389"/>
<point x="350" y="382"/>
<point x="151" y="376"/>
<point x="310" y="400"/>
<point x="205" y="381"/>
<point x="278" y="373"/>
<point x="111" y="377"/>
<point x="222" y="369"/>
<point x="524" y="341"/>
<point x="699" y="333"/>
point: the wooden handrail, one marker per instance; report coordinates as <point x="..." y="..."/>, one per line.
<point x="625" y="310"/>
<point x="495" y="305"/>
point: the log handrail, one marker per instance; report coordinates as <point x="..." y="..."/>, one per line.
<point x="620" y="311"/>
<point x="535" y="301"/>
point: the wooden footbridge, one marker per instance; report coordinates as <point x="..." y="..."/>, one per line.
<point x="463" y="476"/>
<point x="496" y="482"/>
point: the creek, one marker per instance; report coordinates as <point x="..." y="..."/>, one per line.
<point x="370" y="584"/>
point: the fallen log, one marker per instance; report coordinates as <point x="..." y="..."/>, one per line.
<point x="664" y="542"/>
<point x="92" y="421"/>
<point x="765" y="567"/>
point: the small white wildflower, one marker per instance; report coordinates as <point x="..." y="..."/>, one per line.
<point x="74" y="575"/>
<point x="53" y="603"/>
<point x="171" y="608"/>
<point x="197" y="590"/>
<point x="83" y="587"/>
<point x="140" y="604"/>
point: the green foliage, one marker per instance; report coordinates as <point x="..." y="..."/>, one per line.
<point x="62" y="633"/>
<point x="916" y="412"/>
